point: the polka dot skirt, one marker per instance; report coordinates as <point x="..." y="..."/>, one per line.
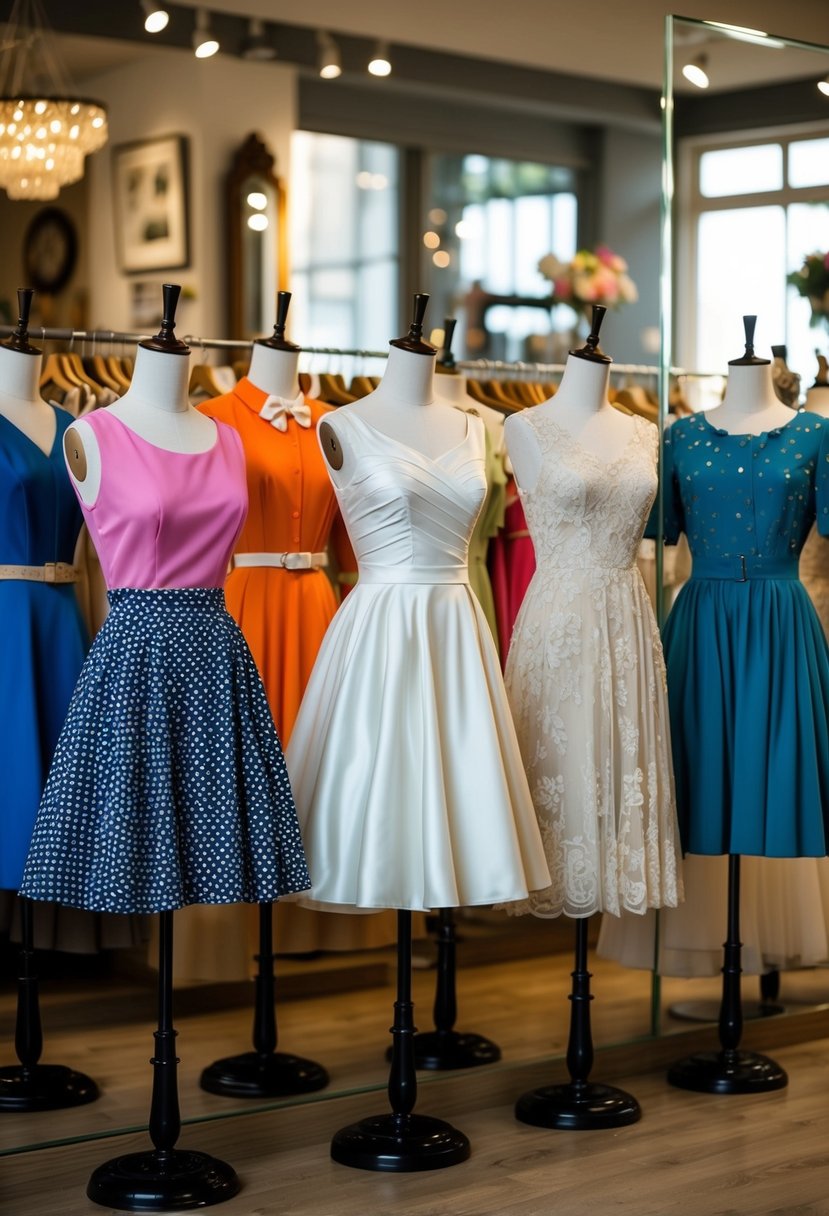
<point x="168" y="785"/>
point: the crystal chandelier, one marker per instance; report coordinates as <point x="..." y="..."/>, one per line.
<point x="46" y="130"/>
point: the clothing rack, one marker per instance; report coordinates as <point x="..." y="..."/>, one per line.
<point x="113" y="337"/>
<point x="493" y="368"/>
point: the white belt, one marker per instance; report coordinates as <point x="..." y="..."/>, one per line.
<point x="281" y="561"/>
<point x="51" y="572"/>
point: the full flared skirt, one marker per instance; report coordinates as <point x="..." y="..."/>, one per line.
<point x="404" y="761"/>
<point x="784" y="919"/>
<point x="168" y="785"/>
<point x="748" y="685"/>
<point x="42" y="648"/>
<point x="586" y="681"/>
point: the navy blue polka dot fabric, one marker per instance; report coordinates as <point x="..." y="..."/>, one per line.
<point x="168" y="785"/>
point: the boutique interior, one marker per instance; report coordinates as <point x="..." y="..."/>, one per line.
<point x="286" y="192"/>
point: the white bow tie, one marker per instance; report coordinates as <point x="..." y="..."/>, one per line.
<point x="276" y="410"/>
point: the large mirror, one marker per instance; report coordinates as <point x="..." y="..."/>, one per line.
<point x="745" y="203"/>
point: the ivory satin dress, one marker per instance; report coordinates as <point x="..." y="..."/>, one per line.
<point x="404" y="761"/>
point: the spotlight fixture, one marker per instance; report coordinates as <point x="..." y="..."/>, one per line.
<point x="256" y="46"/>
<point x="380" y="64"/>
<point x="155" y="17"/>
<point x="204" y="44"/>
<point x="823" y="85"/>
<point x="329" y="65"/>
<point x="696" y="72"/>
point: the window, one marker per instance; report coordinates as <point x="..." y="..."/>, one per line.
<point x="488" y="223"/>
<point x="757" y="208"/>
<point x="344" y="241"/>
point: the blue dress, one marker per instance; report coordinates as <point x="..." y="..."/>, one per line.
<point x="42" y="639"/>
<point x="747" y="659"/>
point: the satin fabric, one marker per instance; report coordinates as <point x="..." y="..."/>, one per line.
<point x="511" y="567"/>
<point x="165" y="539"/>
<point x="42" y="642"/>
<point x="404" y="762"/>
<point x="748" y="662"/>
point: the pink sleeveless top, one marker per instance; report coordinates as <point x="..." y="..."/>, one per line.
<point x="165" y="519"/>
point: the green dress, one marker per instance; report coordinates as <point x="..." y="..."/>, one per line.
<point x="489" y="524"/>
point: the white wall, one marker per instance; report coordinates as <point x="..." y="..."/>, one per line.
<point x="217" y="103"/>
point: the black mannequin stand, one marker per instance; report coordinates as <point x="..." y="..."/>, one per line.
<point x="444" y="1047"/>
<point x="580" y="1104"/>
<point x="729" y="1070"/>
<point x="30" y="1086"/>
<point x="165" y="1179"/>
<point x="768" y="1005"/>
<point x="401" y="1142"/>
<point x="264" y="1072"/>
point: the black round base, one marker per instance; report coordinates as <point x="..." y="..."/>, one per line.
<point x="727" y="1072"/>
<point x="44" y="1087"/>
<point x="578" y="1108"/>
<point x="162" y="1182"/>
<point x="253" y="1076"/>
<point x="709" y="1011"/>
<point x="441" y="1052"/>
<point x="400" y="1144"/>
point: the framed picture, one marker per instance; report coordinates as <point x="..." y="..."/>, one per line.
<point x="150" y="192"/>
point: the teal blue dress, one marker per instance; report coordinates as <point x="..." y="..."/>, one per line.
<point x="42" y="638"/>
<point x="747" y="659"/>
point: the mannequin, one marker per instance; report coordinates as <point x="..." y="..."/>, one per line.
<point x="20" y="399"/>
<point x="155" y="406"/>
<point x="34" y="533"/>
<point x="817" y="398"/>
<point x="396" y="406"/>
<point x="581" y="406"/>
<point x="750" y="405"/>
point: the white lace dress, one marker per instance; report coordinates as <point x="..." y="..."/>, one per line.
<point x="586" y="681"/>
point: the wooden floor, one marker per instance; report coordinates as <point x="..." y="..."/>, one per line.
<point x="693" y="1155"/>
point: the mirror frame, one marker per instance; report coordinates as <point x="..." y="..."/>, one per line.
<point x="252" y="158"/>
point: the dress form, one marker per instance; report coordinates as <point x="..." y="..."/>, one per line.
<point x="750" y="405"/>
<point x="156" y="406"/>
<point x="274" y="361"/>
<point x="580" y="406"/>
<point x="398" y="404"/>
<point x="20" y="367"/>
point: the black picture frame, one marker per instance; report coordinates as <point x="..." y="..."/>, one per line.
<point x="151" y="204"/>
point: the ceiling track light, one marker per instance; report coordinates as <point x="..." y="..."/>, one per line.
<point x="156" y="18"/>
<point x="380" y="64"/>
<point x="696" y="71"/>
<point x="823" y="85"/>
<point x="256" y="45"/>
<point x="329" y="64"/>
<point x="204" y="44"/>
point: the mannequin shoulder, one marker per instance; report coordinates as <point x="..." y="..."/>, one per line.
<point x="83" y="458"/>
<point x="330" y="434"/>
<point x="523" y="448"/>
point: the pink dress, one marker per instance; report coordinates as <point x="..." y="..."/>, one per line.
<point x="168" y="785"/>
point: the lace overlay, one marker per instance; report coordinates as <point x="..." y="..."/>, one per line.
<point x="586" y="681"/>
<point x="814" y="572"/>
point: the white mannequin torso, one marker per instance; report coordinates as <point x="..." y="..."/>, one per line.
<point x="275" y="371"/>
<point x="817" y="401"/>
<point x="451" y="390"/>
<point x="580" y="406"/>
<point x="155" y="406"/>
<point x="20" y="399"/>
<point x="404" y="407"/>
<point x="750" y="405"/>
